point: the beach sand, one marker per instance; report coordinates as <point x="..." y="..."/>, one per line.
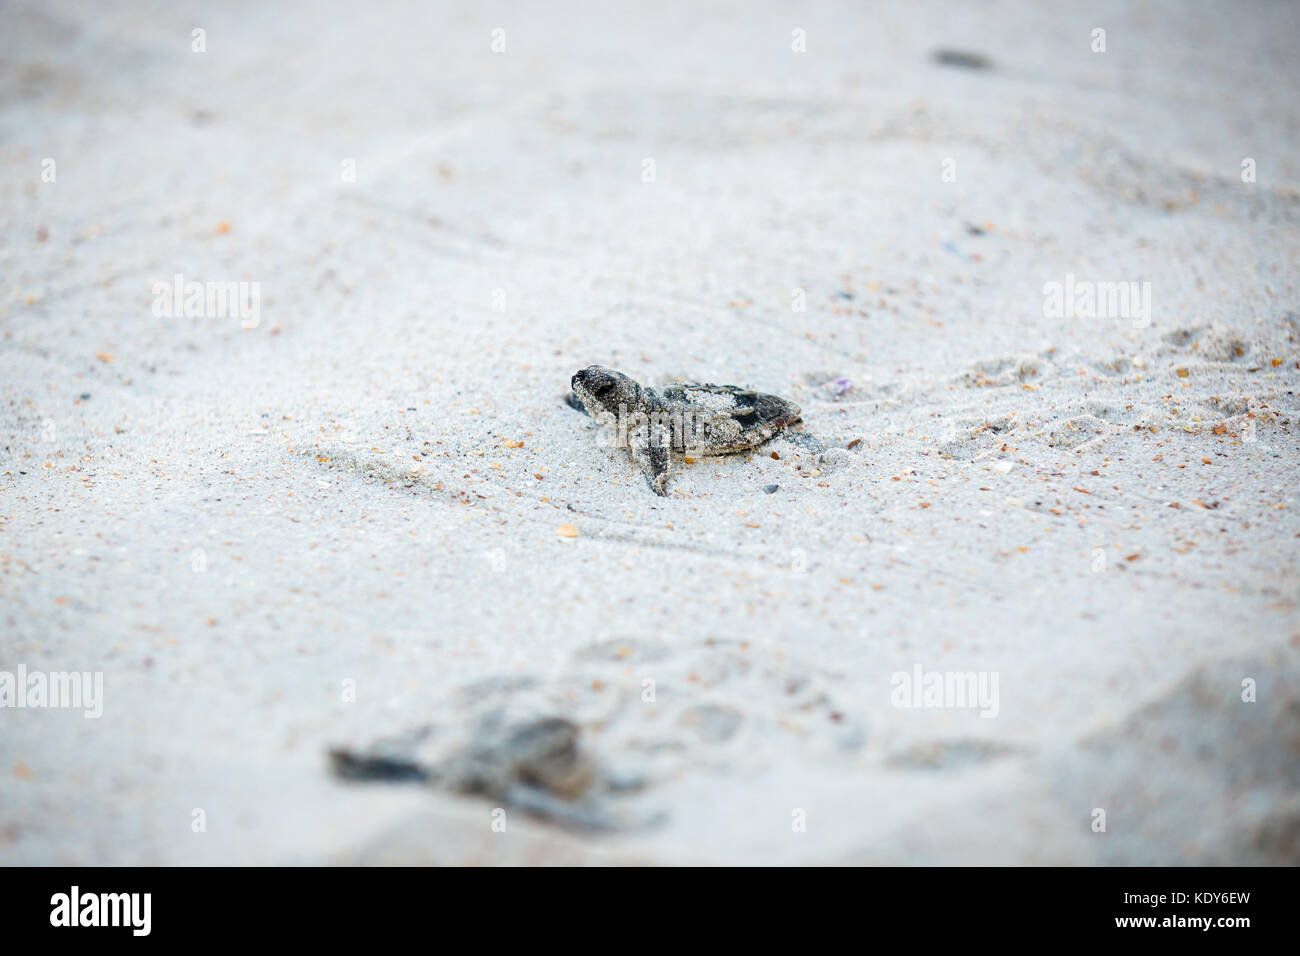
<point x="371" y="509"/>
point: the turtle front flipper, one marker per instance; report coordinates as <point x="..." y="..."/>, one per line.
<point x="649" y="447"/>
<point x="351" y="765"/>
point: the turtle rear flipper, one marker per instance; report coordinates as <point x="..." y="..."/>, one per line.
<point x="753" y="408"/>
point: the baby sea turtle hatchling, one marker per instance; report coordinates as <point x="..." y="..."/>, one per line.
<point x="693" y="420"/>
<point x="532" y="762"/>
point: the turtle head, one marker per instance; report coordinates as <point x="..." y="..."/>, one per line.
<point x="602" y="389"/>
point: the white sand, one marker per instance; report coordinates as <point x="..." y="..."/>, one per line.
<point x="342" y="467"/>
